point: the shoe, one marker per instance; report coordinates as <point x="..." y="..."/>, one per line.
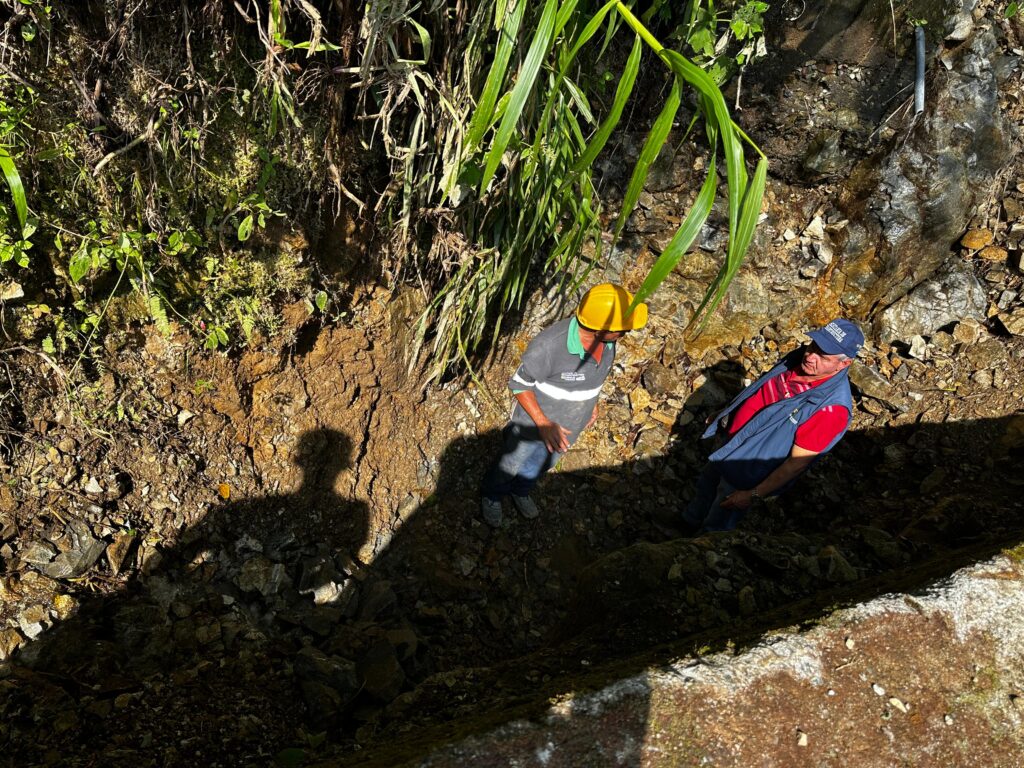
<point x="527" y="507"/>
<point x="491" y="511"/>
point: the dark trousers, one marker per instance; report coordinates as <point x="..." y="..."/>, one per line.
<point x="523" y="461"/>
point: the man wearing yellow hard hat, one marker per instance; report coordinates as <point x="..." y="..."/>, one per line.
<point x="556" y="388"/>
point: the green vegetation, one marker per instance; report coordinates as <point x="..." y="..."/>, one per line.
<point x="189" y="177"/>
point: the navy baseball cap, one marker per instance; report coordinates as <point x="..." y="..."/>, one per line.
<point x="838" y="337"/>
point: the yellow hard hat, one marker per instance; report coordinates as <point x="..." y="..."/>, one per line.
<point x="604" y="306"/>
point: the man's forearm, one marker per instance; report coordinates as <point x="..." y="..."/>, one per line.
<point x="789" y="469"/>
<point x="528" y="401"/>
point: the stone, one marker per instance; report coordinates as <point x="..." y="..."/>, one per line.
<point x="944" y="299"/>
<point x="871" y="383"/>
<point x="959" y="25"/>
<point x="10" y="641"/>
<point x="1013" y="322"/>
<point x="976" y="239"/>
<point x="918" y="348"/>
<point x="93" y="487"/>
<point x="258" y="574"/>
<point x="834" y="566"/>
<point x="208" y="633"/>
<point x="639" y="399"/>
<point x="329" y="593"/>
<point x="64" y="606"/>
<point x="38" y="553"/>
<point x="1006" y="299"/>
<point x="336" y="672"/>
<point x="404" y="641"/>
<point x="884" y="546"/>
<point x="319" y="575"/>
<point x="747" y="603"/>
<point x="816" y="229"/>
<point x="810" y="271"/>
<point x="934" y="482"/>
<point x="967" y="332"/>
<point x="824" y="252"/>
<point x="10" y="290"/>
<point x="322" y="620"/>
<point x="76" y="561"/>
<point x="993" y="253"/>
<point x="982" y="378"/>
<point x="824" y="154"/>
<point x="118" y="550"/>
<point x="324" y="703"/>
<point x="382" y="676"/>
<point x="661" y="380"/>
<point x="1013" y="208"/>
<point x="943" y="342"/>
<point x="32" y="621"/>
<point x="378" y="598"/>
<point x="985" y="354"/>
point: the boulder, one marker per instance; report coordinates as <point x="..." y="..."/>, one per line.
<point x="947" y="298"/>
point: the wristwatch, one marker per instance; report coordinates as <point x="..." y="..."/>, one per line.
<point x="755" y="495"/>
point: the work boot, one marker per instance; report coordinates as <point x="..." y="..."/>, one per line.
<point x="491" y="511"/>
<point x="526" y="506"/>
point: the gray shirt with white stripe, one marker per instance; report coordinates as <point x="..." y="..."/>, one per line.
<point x="565" y="380"/>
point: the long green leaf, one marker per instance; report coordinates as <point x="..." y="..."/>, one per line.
<point x="622" y="94"/>
<point x="565" y="13"/>
<point x="738" y="246"/>
<point x="481" y="119"/>
<point x="682" y="240"/>
<point x="10" y="172"/>
<point x="565" y="62"/>
<point x="520" y="92"/>
<point x="651" y="149"/>
<point x="736" y="172"/>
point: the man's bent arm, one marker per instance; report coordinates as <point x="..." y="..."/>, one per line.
<point x="555" y="436"/>
<point x="799" y="459"/>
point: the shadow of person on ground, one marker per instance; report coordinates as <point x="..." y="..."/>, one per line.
<point x="218" y="639"/>
<point x="524" y="615"/>
<point x="262" y="631"/>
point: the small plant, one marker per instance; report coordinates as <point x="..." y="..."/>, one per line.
<point x="203" y="385"/>
<point x="11" y="117"/>
<point x="713" y="35"/>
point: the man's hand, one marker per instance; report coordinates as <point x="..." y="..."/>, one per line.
<point x="799" y="459"/>
<point x="555" y="436"/>
<point x="738" y="500"/>
<point x="593" y="418"/>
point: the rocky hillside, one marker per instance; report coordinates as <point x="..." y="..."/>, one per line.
<point x="278" y="556"/>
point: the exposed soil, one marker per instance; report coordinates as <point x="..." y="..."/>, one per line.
<point x="328" y="462"/>
<point x="279" y="557"/>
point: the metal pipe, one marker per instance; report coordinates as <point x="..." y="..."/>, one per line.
<point x="919" y="82"/>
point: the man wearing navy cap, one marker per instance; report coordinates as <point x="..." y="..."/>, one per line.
<point x="776" y="428"/>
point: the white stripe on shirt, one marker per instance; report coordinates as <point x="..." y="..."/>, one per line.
<point x="557" y="393"/>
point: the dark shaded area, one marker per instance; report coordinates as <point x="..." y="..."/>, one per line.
<point x="261" y="631"/>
